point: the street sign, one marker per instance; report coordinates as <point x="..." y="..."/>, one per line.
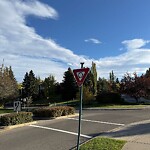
<point x="80" y="75"/>
<point x="17" y="106"/>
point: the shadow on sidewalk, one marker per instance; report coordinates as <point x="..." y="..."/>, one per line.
<point x="132" y="130"/>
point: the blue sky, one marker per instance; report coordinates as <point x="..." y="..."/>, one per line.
<point x="110" y="22"/>
<point x="48" y="36"/>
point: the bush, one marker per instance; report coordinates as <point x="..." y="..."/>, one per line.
<point x="53" y="111"/>
<point x="88" y="96"/>
<point x="16" y="118"/>
<point x="109" y="97"/>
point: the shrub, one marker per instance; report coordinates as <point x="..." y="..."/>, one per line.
<point x="16" y="118"/>
<point x="88" y="96"/>
<point x="109" y="97"/>
<point x="66" y="110"/>
<point x="53" y="111"/>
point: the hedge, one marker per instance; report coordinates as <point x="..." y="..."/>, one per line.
<point x="16" y="118"/>
<point x="53" y="111"/>
<point x="109" y="97"/>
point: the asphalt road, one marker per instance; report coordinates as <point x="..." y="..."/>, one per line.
<point x="61" y="134"/>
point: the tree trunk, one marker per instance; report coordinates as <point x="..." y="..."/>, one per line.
<point x="137" y="100"/>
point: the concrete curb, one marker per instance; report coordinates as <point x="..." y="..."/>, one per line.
<point x="116" y="108"/>
<point x="4" y="128"/>
<point x="16" y="126"/>
<point x="52" y="118"/>
<point x="62" y="117"/>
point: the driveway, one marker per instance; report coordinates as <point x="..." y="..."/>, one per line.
<point x="62" y="133"/>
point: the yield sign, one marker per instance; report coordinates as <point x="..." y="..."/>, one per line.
<point x="80" y="75"/>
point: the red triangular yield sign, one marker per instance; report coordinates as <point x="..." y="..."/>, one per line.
<point x="80" y="75"/>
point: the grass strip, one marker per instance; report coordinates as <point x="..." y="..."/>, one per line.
<point x="68" y="102"/>
<point x="117" y="105"/>
<point x="101" y="143"/>
<point x="3" y="111"/>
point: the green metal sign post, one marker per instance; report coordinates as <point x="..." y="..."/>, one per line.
<point x="80" y="113"/>
<point x="80" y="75"/>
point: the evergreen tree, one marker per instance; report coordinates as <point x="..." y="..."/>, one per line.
<point x="34" y="86"/>
<point x="30" y="85"/>
<point x="147" y="74"/>
<point x="26" y="85"/>
<point x="69" y="85"/>
<point x="117" y="81"/>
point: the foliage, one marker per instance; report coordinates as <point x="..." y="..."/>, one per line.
<point x="135" y="86"/>
<point x="49" y="86"/>
<point x="108" y="90"/>
<point x="30" y="85"/>
<point x="28" y="101"/>
<point x="111" y="85"/>
<point x="102" y="85"/>
<point x="88" y="96"/>
<point x="112" y="77"/>
<point x="91" y="80"/>
<point x="147" y="74"/>
<point x="16" y="118"/>
<point x="103" y="144"/>
<point x="114" y="82"/>
<point x="90" y="86"/>
<point x="8" y="85"/>
<point x="94" y="73"/>
<point x="53" y="111"/>
<point x="69" y="86"/>
<point x="109" y="97"/>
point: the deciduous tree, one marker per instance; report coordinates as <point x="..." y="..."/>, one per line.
<point x="49" y="86"/>
<point x="8" y="85"/>
<point x="135" y="86"/>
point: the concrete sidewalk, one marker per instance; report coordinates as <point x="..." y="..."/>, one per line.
<point x="137" y="135"/>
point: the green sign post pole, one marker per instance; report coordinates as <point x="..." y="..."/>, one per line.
<point x="80" y="113"/>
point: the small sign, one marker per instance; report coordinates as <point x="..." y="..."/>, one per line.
<point x="80" y="75"/>
<point x="17" y="106"/>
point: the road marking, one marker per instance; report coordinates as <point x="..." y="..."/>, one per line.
<point x="63" y="131"/>
<point x="111" y="123"/>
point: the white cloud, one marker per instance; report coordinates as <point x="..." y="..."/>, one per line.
<point x="92" y="40"/>
<point x="135" y="43"/>
<point x="24" y="49"/>
<point x="36" y="8"/>
<point x="136" y="59"/>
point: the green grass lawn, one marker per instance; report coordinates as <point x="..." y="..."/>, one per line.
<point x="94" y="104"/>
<point x="71" y="102"/>
<point x="100" y="143"/>
<point x="50" y="103"/>
<point x="2" y="111"/>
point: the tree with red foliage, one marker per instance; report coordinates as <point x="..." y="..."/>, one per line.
<point x="135" y="86"/>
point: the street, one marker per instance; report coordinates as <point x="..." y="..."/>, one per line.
<point x="61" y="134"/>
